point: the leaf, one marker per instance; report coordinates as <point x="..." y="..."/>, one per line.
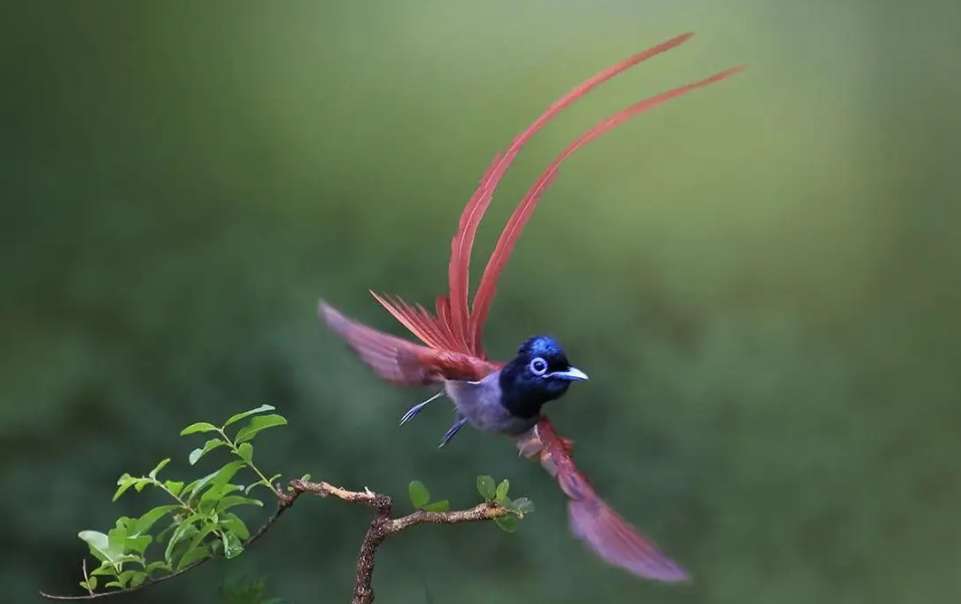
<point x="246" y="452"/>
<point x="240" y="416"/>
<point x="232" y="545"/>
<point x="522" y="505"/>
<point x="157" y="565"/>
<point x="437" y="506"/>
<point x="261" y="422"/>
<point x="508" y="524"/>
<point x="198" y="427"/>
<point x="221" y="476"/>
<point x="502" y="489"/>
<point x="197" y="550"/>
<point x="184" y="531"/>
<point x="90" y="584"/>
<point x="174" y="486"/>
<point x="232" y="523"/>
<point x="138" y="578"/>
<point x="419" y="495"/>
<point x="234" y="500"/>
<point x="146" y="521"/>
<point x="486" y="488"/>
<point x="209" y="446"/>
<point x="160" y="466"/>
<point x="123" y="483"/>
<point x="137" y="544"/>
<point x="101" y="546"/>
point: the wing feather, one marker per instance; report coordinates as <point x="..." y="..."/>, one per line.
<point x="400" y="361"/>
<point x="611" y="537"/>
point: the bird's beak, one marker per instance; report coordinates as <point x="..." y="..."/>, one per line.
<point x="573" y="374"/>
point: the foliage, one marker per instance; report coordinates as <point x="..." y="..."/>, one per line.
<point x="199" y="524"/>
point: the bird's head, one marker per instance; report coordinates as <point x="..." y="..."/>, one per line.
<point x="539" y="373"/>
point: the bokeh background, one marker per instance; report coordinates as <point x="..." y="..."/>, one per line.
<point x="761" y="278"/>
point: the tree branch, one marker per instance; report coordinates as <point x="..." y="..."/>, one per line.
<point x="382" y="526"/>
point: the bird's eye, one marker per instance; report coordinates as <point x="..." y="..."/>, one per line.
<point x="538" y="366"/>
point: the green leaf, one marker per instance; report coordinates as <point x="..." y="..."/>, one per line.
<point x="221" y="476"/>
<point x="146" y="521"/>
<point x="240" y="416"/>
<point x="232" y="545"/>
<point x="174" y="486"/>
<point x="123" y="483"/>
<point x="234" y="500"/>
<point x="198" y="550"/>
<point x="522" y="505"/>
<point x="419" y="495"/>
<point x="209" y="446"/>
<point x="157" y="565"/>
<point x="160" y="466"/>
<point x="232" y="523"/>
<point x="138" y="578"/>
<point x="90" y="584"/>
<point x="198" y="427"/>
<point x="105" y="568"/>
<point x="246" y="452"/>
<point x="185" y="530"/>
<point x="486" y="488"/>
<point x="101" y="546"/>
<point x="502" y="489"/>
<point x="137" y="544"/>
<point x="508" y="524"/>
<point x="256" y="424"/>
<point x="437" y="506"/>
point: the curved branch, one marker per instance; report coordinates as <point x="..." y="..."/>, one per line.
<point x="381" y="527"/>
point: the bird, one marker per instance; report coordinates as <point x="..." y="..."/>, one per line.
<point x="507" y="398"/>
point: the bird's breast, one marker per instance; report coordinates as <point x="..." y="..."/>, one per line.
<point x="480" y="402"/>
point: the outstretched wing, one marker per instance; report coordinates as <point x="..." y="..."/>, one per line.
<point x="402" y="362"/>
<point x="592" y="520"/>
<point x="515" y="224"/>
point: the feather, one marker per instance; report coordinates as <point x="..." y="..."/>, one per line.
<point x="515" y="224"/>
<point x="611" y="537"/>
<point x="399" y="361"/>
<point x="463" y="241"/>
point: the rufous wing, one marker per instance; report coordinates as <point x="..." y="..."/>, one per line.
<point x="400" y="361"/>
<point x="604" y="531"/>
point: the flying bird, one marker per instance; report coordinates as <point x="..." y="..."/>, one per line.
<point x="508" y="398"/>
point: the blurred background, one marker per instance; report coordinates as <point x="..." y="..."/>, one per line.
<point x="761" y="278"/>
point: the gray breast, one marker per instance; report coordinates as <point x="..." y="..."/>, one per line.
<point x="480" y="403"/>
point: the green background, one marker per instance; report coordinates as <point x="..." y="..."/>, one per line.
<point x="761" y="278"/>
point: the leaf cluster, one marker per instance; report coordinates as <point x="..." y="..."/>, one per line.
<point x="199" y="520"/>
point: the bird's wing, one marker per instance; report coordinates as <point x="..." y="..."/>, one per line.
<point x="515" y="224"/>
<point x="400" y="361"/>
<point x="460" y="318"/>
<point x="592" y="520"/>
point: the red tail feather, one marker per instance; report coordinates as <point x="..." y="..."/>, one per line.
<point x="463" y="240"/>
<point x="515" y="224"/>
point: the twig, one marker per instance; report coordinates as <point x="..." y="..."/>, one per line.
<point x="381" y="527"/>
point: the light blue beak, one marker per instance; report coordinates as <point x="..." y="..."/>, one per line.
<point x="573" y="374"/>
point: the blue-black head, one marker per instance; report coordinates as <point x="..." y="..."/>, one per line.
<point x="539" y="373"/>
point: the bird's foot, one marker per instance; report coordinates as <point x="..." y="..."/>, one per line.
<point x="454" y="429"/>
<point x="413" y="411"/>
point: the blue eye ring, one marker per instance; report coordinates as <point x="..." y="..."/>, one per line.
<point x="538" y="366"/>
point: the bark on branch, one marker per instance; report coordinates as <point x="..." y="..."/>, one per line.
<point x="382" y="526"/>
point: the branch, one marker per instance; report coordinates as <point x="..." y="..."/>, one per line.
<point x="381" y="527"/>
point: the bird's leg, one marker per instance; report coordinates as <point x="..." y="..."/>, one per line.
<point x="458" y="424"/>
<point x="413" y="411"/>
